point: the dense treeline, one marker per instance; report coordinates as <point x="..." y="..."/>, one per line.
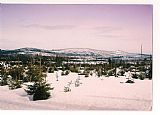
<point x="27" y="59"/>
<point x="54" y="63"/>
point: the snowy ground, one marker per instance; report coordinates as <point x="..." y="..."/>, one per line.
<point x="94" y="93"/>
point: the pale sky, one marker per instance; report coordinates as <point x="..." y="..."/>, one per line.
<point x="103" y="27"/>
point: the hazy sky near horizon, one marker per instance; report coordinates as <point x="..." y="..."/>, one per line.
<point x="104" y="27"/>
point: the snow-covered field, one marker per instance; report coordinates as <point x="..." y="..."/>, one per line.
<point x="94" y="93"/>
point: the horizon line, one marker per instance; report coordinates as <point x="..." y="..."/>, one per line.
<point x="151" y="53"/>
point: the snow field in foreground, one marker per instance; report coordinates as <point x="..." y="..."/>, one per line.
<point x="107" y="93"/>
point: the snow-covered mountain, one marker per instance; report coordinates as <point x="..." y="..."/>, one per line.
<point x="76" y="52"/>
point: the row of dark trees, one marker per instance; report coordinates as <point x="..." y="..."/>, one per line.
<point x="48" y="65"/>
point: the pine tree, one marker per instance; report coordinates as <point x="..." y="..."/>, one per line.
<point x="40" y="89"/>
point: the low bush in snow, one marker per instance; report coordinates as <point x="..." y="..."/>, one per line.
<point x="135" y="76"/>
<point x="67" y="89"/>
<point x="129" y="81"/>
<point x="14" y="84"/>
<point x="65" y="72"/>
<point x="51" y="70"/>
<point x="110" y="73"/>
<point x="4" y="81"/>
<point x="86" y="75"/>
<point x="141" y="76"/>
<point x="91" y="73"/>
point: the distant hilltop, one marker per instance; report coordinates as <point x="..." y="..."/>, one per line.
<point x="76" y="52"/>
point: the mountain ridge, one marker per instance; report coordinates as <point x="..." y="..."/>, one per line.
<point x="75" y="52"/>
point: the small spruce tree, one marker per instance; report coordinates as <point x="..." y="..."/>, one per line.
<point x="40" y="89"/>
